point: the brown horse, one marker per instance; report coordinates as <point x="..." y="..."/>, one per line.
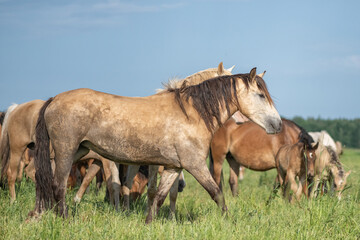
<point x="249" y="146"/>
<point x="193" y="79"/>
<point x="168" y="129"/>
<point x="295" y="161"/>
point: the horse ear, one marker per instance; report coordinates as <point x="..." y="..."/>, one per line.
<point x="253" y="74"/>
<point x="230" y="69"/>
<point x="262" y="74"/>
<point x="315" y="145"/>
<point x="347" y="174"/>
<point x="220" y="69"/>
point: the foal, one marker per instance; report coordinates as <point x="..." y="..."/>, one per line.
<point x="294" y="161"/>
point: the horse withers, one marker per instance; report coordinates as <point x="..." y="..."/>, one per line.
<point x="295" y="161"/>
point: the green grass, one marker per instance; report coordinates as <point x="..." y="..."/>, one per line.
<point x="197" y="216"/>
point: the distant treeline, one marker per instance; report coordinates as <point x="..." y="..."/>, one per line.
<point x="343" y="130"/>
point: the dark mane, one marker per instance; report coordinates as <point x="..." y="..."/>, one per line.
<point x="2" y="116"/>
<point x="304" y="136"/>
<point x="213" y="95"/>
<point x="334" y="159"/>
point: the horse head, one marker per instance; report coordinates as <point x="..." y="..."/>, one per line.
<point x="256" y="103"/>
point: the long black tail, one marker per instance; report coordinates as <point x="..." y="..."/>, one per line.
<point x="43" y="175"/>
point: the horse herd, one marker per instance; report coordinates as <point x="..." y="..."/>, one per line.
<point x="177" y="128"/>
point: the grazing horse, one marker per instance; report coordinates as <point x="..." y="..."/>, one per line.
<point x="328" y="168"/>
<point x="167" y="128"/>
<point x="295" y="161"/>
<point x="248" y="145"/>
<point x="153" y="170"/>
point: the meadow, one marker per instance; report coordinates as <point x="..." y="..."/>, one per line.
<point x="197" y="216"/>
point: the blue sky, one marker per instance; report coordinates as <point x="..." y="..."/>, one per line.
<point x="310" y="49"/>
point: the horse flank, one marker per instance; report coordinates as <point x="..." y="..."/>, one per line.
<point x="222" y="89"/>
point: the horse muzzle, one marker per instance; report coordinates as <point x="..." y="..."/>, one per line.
<point x="273" y="126"/>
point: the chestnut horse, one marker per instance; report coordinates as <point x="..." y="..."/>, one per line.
<point x="167" y="128"/>
<point x="295" y="161"/>
<point x="248" y="145"/>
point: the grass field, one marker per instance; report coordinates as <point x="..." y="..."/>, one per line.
<point x="197" y="216"/>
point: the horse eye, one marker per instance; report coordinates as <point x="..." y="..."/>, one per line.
<point x="261" y="95"/>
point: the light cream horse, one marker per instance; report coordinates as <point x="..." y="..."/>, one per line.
<point x="153" y="170"/>
<point x="329" y="169"/>
<point x="173" y="129"/>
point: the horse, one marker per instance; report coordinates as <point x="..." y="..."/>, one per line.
<point x="325" y="138"/>
<point x="328" y="168"/>
<point x="248" y="145"/>
<point x="167" y="128"/>
<point x="295" y="161"/>
<point x="17" y="137"/>
<point x="193" y="79"/>
<point x="133" y="170"/>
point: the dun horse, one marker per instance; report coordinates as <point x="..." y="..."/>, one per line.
<point x="134" y="169"/>
<point x="168" y="129"/>
<point x="248" y="145"/>
<point x="295" y="161"/>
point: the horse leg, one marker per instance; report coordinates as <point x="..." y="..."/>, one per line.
<point x="12" y="171"/>
<point x="30" y="170"/>
<point x="167" y="180"/>
<point x="241" y="173"/>
<point x="113" y="182"/>
<point x="302" y="187"/>
<point x="277" y="184"/>
<point x="218" y="160"/>
<point x="131" y="172"/>
<point x="89" y="176"/>
<point x="64" y="161"/>
<point x="234" y="175"/>
<point x="201" y="173"/>
<point x="293" y="187"/>
<point x="152" y="185"/>
<point x="20" y="170"/>
<point x="173" y="197"/>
